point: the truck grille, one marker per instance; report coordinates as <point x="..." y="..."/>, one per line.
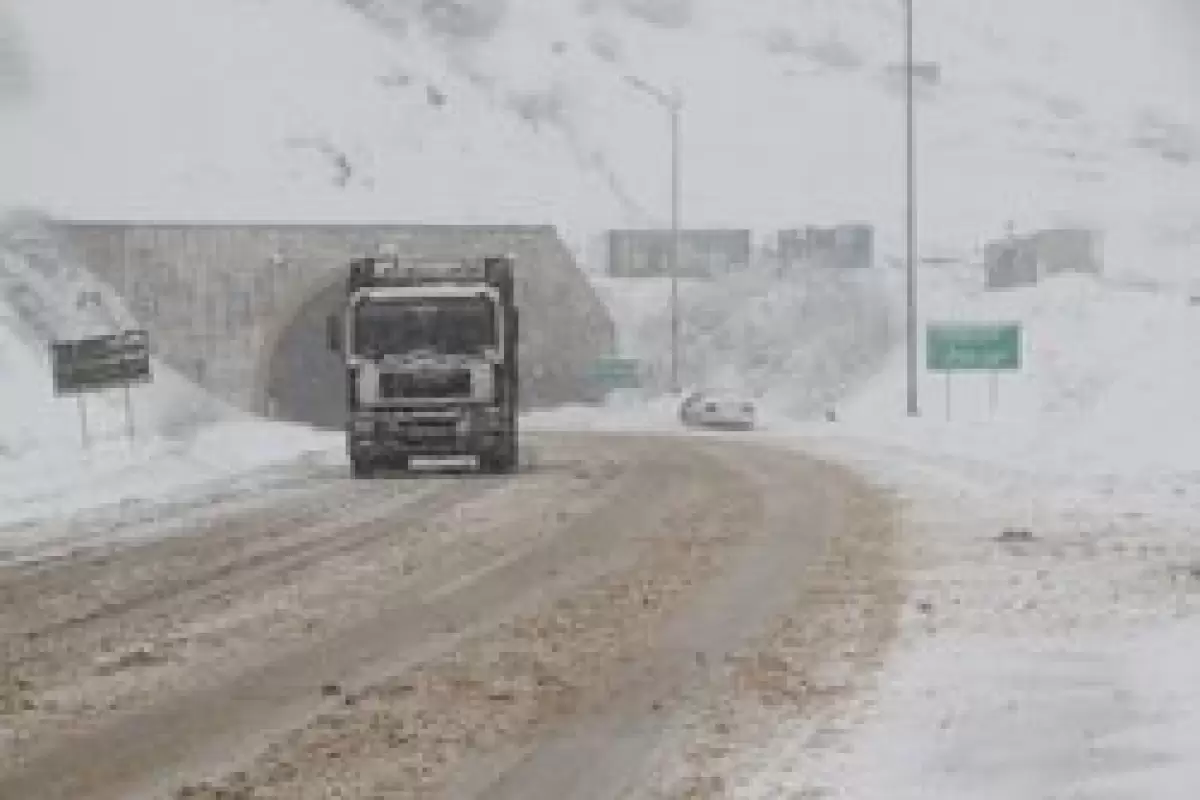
<point x="425" y="386"/>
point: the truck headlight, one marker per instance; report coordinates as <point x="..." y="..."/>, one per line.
<point x="363" y="425"/>
<point x="481" y="381"/>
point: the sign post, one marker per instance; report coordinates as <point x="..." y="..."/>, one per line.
<point x="129" y="427"/>
<point x="949" y="383"/>
<point x="83" y="423"/>
<point x="100" y="363"/>
<point x="973" y="347"/>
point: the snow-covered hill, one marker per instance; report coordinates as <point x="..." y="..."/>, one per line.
<point x="521" y="111"/>
<point x="1048" y="111"/>
<point x="1108" y="383"/>
<point x="279" y="109"/>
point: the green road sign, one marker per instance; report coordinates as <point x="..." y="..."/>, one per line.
<point x="617" y="373"/>
<point x="988" y="347"/>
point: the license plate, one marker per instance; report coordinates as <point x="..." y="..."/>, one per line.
<point x="434" y="462"/>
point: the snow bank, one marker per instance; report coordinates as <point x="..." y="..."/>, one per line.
<point x="977" y="718"/>
<point x="56" y="482"/>
<point x="1058" y="661"/>
<point x="1105" y="396"/>
<point x="46" y="297"/>
<point x="1057" y="664"/>
<point x="181" y="435"/>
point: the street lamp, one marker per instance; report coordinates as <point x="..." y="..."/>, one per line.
<point x="673" y="103"/>
<point x="911" y="210"/>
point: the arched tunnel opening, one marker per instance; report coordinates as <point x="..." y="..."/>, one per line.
<point x="306" y="382"/>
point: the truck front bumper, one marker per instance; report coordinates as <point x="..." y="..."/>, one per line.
<point x="382" y="436"/>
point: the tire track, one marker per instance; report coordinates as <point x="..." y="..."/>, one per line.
<point x="533" y="641"/>
<point x="31" y="548"/>
<point x="561" y="654"/>
<point x="27" y="591"/>
<point x="611" y="752"/>
<point x="422" y="622"/>
<point x="332" y="536"/>
<point x="816" y="659"/>
<point x="84" y="675"/>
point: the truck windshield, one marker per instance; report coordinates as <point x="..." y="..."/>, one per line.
<point x="446" y="325"/>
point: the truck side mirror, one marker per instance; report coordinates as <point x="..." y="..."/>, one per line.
<point x="333" y="333"/>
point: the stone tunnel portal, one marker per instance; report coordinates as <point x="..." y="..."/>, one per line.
<point x="305" y="381"/>
<point x="240" y="307"/>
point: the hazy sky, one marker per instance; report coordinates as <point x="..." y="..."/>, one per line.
<point x="1184" y="19"/>
<point x="1101" y="49"/>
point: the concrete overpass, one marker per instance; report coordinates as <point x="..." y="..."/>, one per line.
<point x="240" y="308"/>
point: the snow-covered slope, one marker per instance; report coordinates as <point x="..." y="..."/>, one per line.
<point x="43" y="298"/>
<point x="521" y="110"/>
<point x="798" y="342"/>
<point x="277" y="109"/>
<point x="1048" y="111"/>
<point x="1107" y="385"/>
<point x="181" y="435"/>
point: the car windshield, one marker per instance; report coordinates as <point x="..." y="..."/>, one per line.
<point x="445" y="325"/>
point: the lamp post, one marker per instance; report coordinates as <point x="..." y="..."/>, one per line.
<point x="911" y="214"/>
<point x="673" y="103"/>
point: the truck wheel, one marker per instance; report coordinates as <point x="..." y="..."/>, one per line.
<point x="501" y="459"/>
<point x="510" y="458"/>
<point x="361" y="468"/>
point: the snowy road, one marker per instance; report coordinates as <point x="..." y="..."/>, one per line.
<point x="589" y="628"/>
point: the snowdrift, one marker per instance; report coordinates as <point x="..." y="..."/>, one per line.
<point x="1107" y="387"/>
<point x="45" y="297"/>
<point x="182" y="434"/>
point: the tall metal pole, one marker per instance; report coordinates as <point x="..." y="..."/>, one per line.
<point x="676" y="235"/>
<point x="911" y="206"/>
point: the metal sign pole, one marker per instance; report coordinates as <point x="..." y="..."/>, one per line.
<point x="948" y="380"/>
<point x="129" y="425"/>
<point x="913" y="403"/>
<point x="83" y="421"/>
<point x="676" y="240"/>
<point x="993" y="390"/>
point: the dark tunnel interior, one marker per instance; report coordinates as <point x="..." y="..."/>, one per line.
<point x="306" y="382"/>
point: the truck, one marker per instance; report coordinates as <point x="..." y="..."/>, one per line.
<point x="430" y="348"/>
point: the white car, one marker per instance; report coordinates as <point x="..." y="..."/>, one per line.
<point x="718" y="410"/>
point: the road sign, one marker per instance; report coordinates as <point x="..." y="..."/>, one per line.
<point x="981" y="347"/>
<point x="617" y="373"/>
<point x="845" y="246"/>
<point x="101" y="362"/>
<point x="703" y="253"/>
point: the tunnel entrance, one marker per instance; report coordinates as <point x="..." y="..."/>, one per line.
<point x="306" y="383"/>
